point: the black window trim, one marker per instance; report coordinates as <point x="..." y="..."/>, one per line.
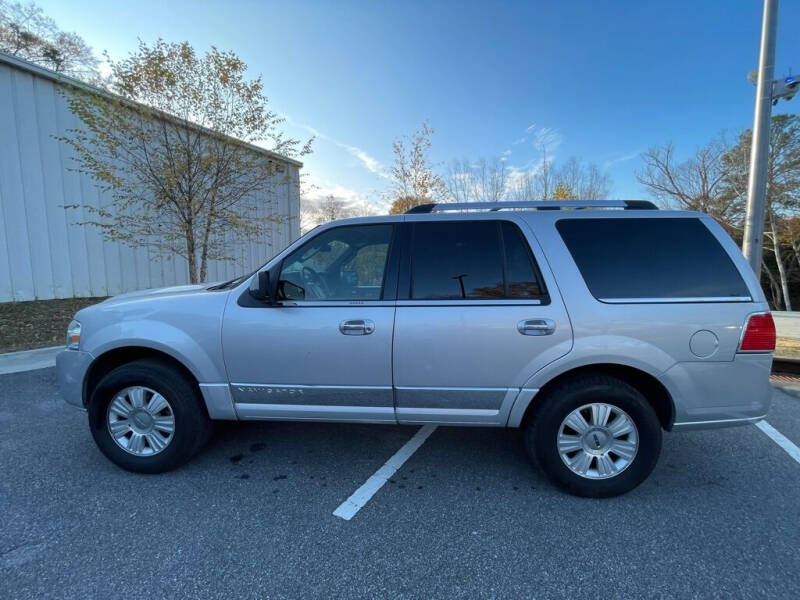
<point x="405" y="285"/>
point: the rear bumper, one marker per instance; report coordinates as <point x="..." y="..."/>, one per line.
<point x="71" y="368"/>
<point x="720" y="394"/>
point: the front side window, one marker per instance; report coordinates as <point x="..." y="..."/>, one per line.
<point x="472" y="260"/>
<point x="345" y="263"/>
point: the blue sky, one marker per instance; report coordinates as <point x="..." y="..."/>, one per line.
<point x="603" y="80"/>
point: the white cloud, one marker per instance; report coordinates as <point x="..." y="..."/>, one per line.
<point x="372" y="164"/>
<point x="519" y="141"/>
<point x="623" y="158"/>
<point x="547" y="137"/>
<point x="355" y="201"/>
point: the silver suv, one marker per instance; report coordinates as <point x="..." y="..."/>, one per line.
<point x="593" y="326"/>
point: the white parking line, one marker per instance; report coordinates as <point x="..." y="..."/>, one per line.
<point x="780" y="439"/>
<point x="348" y="509"/>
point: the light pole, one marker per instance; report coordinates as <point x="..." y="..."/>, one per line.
<point x="759" y="152"/>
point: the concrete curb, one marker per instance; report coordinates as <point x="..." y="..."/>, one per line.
<point x="29" y="360"/>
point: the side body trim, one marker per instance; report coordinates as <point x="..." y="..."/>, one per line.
<point x="304" y="412"/>
<point x="312" y="395"/>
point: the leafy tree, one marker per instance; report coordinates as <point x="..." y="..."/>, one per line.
<point x="172" y="148"/>
<point x="564" y="192"/>
<point x="783" y="194"/>
<point x="412" y="174"/>
<point x="25" y="31"/>
<point x="405" y="203"/>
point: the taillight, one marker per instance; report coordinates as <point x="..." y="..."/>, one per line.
<point x="759" y="334"/>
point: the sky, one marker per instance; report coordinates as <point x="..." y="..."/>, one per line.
<point x="602" y="81"/>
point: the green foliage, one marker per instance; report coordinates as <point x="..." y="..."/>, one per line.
<point x="564" y="192"/>
<point x="412" y="175"/>
<point x="171" y="147"/>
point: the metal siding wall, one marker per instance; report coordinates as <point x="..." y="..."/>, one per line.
<point x="44" y="250"/>
<point x="14" y="220"/>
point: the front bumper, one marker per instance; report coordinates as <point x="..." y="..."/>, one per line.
<point x="71" y="368"/>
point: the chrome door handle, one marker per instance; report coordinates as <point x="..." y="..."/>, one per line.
<point x="536" y="327"/>
<point x="357" y="327"/>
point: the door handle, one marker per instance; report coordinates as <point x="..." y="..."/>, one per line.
<point x="357" y="327"/>
<point x="536" y="327"/>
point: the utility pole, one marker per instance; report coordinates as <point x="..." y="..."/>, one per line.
<point x="759" y="153"/>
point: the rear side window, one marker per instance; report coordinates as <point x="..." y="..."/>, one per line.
<point x="623" y="259"/>
<point x="472" y="260"/>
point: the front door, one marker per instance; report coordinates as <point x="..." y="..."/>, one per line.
<point x="324" y="352"/>
<point x="474" y="321"/>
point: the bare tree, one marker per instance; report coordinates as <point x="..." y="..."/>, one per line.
<point x="574" y="180"/>
<point x="582" y="181"/>
<point x="318" y="211"/>
<point x="25" y="31"/>
<point x="412" y="174"/>
<point x="698" y="183"/>
<point x="480" y="181"/>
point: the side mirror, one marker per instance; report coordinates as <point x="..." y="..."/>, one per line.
<point x="260" y="288"/>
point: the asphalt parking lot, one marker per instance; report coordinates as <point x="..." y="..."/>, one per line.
<point x="465" y="516"/>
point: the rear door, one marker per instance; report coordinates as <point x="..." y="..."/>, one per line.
<point x="475" y="319"/>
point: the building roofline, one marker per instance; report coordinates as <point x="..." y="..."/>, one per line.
<point x="24" y="65"/>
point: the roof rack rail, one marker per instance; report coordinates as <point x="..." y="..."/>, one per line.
<point x="533" y="205"/>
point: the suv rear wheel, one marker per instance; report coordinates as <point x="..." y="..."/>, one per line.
<point x="594" y="436"/>
<point x="147" y="417"/>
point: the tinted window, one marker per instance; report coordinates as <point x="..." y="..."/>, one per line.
<point x="345" y="263"/>
<point x="520" y="271"/>
<point x="465" y="261"/>
<point x="651" y="258"/>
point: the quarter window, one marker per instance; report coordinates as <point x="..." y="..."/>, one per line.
<point x="634" y="258"/>
<point x="472" y="260"/>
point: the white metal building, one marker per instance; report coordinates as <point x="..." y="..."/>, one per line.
<point x="44" y="253"/>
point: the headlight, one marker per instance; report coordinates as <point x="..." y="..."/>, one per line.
<point x="74" y="335"/>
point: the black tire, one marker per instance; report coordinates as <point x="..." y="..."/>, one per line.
<point x="542" y="428"/>
<point x="192" y="428"/>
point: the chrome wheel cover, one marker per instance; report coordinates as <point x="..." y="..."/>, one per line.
<point x="140" y="421"/>
<point x="598" y="441"/>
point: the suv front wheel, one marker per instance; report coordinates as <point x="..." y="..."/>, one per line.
<point x="594" y="436"/>
<point x="147" y="417"/>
